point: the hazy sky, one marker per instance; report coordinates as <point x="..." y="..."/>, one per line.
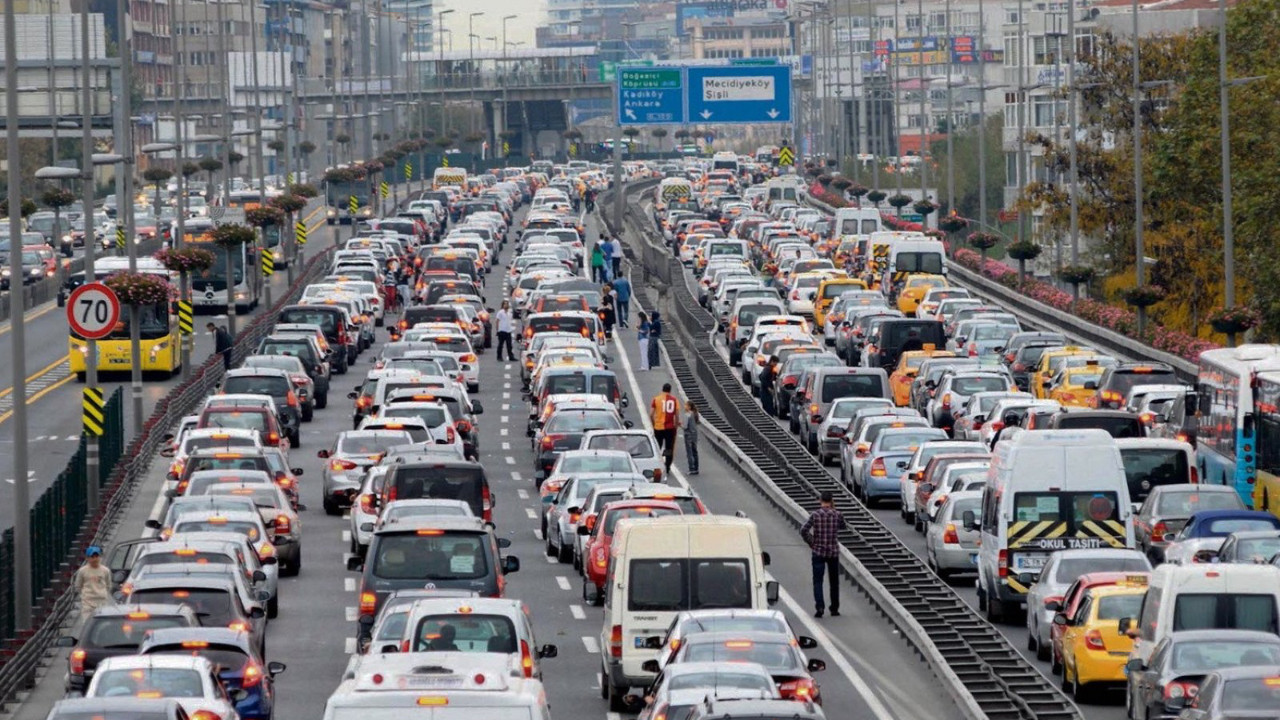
<point x="520" y="29"/>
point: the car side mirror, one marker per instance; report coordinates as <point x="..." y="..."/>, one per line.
<point x="239" y="695"/>
<point x="628" y="424"/>
<point x="366" y="527"/>
<point x="1046" y="384"/>
<point x="1169" y="537"/>
<point x="259" y="576"/>
<point x="477" y="408"/>
<point x="650" y="666"/>
<point x="168" y="452"/>
<point x="1059" y="619"/>
<point x="503" y="543"/>
<point x="548" y="651"/>
<point x="626" y="401"/>
<point x="296" y="471"/>
<point x="65" y="641"/>
<point x="275" y="668"/>
<point x="389" y="648"/>
<point x="171" y="494"/>
<point x="324" y="454"/>
<point x="816" y="665"/>
<point x="353" y="395"/>
<point x="1026" y="579"/>
<point x="806" y="642"/>
<point x="1135" y="665"/>
<point x="257" y="614"/>
<point x="1124" y="625"/>
<point x="765" y="558"/>
<point x="355" y="564"/>
<point x="525" y="396"/>
<point x="772" y="592"/>
<point x="969" y="520"/>
<point x="1053" y="605"/>
<point x="167" y="438"/>
<point x="152" y="524"/>
<point x="813" y="295"/>
<point x="584" y="531"/>
<point x="273" y="560"/>
<point x="510" y="564"/>
<point x="1205" y="556"/>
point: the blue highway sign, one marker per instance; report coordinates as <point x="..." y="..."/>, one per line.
<point x="650" y="95"/>
<point x="739" y="94"/>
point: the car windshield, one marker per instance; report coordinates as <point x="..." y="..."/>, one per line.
<point x="903" y="441"/>
<point x="613" y="516"/>
<point x="1146" y="468"/>
<point x="1226" y="526"/>
<point x="1072" y="568"/>
<point x="1257" y="549"/>
<point x="1200" y="657"/>
<point x="971" y="385"/>
<point x="638" y="446"/>
<point x="264" y="496"/>
<point x="400" y="511"/>
<point x="991" y="332"/>
<point x="256" y="385"/>
<point x="1185" y="504"/>
<point x="369" y="444"/>
<point x="212" y="606"/>
<point x="183" y="555"/>
<point x="721" y="679"/>
<point x="431" y="555"/>
<point x="1252" y="695"/>
<point x="1224" y="611"/>
<point x="1124" y="605"/>
<point x="432" y="416"/>
<point x="688" y="584"/>
<point x="465" y="633"/>
<point x="776" y="657"/>
<point x="149" y="682"/>
<point x="125" y="632"/>
<point x="240" y="527"/>
<point x="237" y="419"/>
<point x="223" y="656"/>
<point x="854" y="385"/>
<point x="571" y="464"/>
<point x="582" y="421"/>
<point x="193" y="444"/>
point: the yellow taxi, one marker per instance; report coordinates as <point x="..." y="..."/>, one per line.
<point x="1047" y="368"/>
<point x="828" y="291"/>
<point x="908" y="366"/>
<point x="1094" y="651"/>
<point x="1077" y="386"/>
<point x="915" y="288"/>
<point x="845" y="251"/>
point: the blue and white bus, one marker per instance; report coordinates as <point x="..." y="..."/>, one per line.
<point x="1226" y="444"/>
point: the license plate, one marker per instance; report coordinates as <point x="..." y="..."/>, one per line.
<point x="973" y="558"/>
<point x="430" y="682"/>
<point x="640" y="643"/>
<point x="1030" y="562"/>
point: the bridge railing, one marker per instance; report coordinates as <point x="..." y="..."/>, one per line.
<point x="512" y="79"/>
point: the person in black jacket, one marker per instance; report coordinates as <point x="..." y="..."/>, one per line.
<point x="222" y="343"/>
<point x="767" y="376"/>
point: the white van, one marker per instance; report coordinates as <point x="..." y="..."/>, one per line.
<point x="921" y="254"/>
<point x="856" y="222"/>
<point x="725" y="161"/>
<point x="661" y="566"/>
<point x="880" y="246"/>
<point x="1205" y="597"/>
<point x="448" y="176"/>
<point x="438" y="686"/>
<point x="1046" y="491"/>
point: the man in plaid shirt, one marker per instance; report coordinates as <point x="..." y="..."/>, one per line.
<point x="821" y="532"/>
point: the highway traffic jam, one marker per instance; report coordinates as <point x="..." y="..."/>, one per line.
<point x="1063" y="485"/>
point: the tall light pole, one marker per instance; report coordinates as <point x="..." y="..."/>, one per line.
<point x="1140" y="269"/>
<point x="951" y="119"/>
<point x="91" y="461"/>
<point x="21" y="500"/>
<point x="1072" y="146"/>
<point x="1224" y="112"/>
<point x="444" y="108"/>
<point x="471" y="38"/>
<point x="982" y="116"/>
<point x="502" y="80"/>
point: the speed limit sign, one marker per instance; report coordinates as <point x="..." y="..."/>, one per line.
<point x="93" y="311"/>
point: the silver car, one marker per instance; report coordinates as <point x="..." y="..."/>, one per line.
<point x="566" y="510"/>
<point x="352" y="454"/>
<point x="949" y="547"/>
<point x="836" y="421"/>
<point x="1063" y="568"/>
<point x="640" y="444"/>
<point x="364" y="510"/>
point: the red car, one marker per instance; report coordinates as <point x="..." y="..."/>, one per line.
<point x="599" y="531"/>
<point x="1070" y="601"/>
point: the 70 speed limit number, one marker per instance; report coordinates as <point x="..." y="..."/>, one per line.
<point x="93" y="311"/>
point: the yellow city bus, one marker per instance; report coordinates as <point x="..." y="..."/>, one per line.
<point x="160" y="345"/>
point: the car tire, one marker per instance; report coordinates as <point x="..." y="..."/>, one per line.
<point x="812" y="444"/>
<point x="616" y="699"/>
<point x="1055" y="663"/>
<point x="331" y="507"/>
<point x="919" y="526"/>
<point x="273" y="608"/>
<point x="322" y="401"/>
<point x="604" y="686"/>
<point x="564" y="554"/>
<point x="308" y="412"/>
<point x="548" y="548"/>
<point x="1042" y="649"/>
<point x="295" y="438"/>
<point x="995" y="610"/>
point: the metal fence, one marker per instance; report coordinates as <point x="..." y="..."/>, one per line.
<point x="123" y="473"/>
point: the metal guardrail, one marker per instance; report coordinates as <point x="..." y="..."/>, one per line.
<point x="1051" y="318"/>
<point x="981" y="671"/>
<point x="21" y="656"/>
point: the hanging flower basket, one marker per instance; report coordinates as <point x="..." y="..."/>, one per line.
<point x="1076" y="274"/>
<point x="232" y="236"/>
<point x="1233" y="321"/>
<point x="1024" y="250"/>
<point x="344" y="174"/>
<point x="372" y="167"/>
<point x="264" y="216"/>
<point x="288" y="203"/>
<point x="1143" y="297"/>
<point x="825" y="180"/>
<point x="924" y="207"/>
<point x="185" y="260"/>
<point x="303" y="190"/>
<point x="953" y="223"/>
<point x="900" y="201"/>
<point x="858" y="191"/>
<point x="139" y="288"/>
<point x="983" y="241"/>
<point x="935" y="234"/>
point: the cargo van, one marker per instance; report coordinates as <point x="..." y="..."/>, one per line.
<point x="662" y="566"/>
<point x="1205" y="597"/>
<point x="880" y="246"/>
<point x="1046" y="491"/>
<point x="438" y="686"/>
<point x="448" y="176"/>
<point x="923" y="255"/>
<point x="856" y="222"/>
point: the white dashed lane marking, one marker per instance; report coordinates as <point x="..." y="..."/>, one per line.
<point x="349" y="584"/>
<point x="532" y="515"/>
<point x="590" y="644"/>
<point x="577" y="612"/>
<point x="351" y="613"/>
<point x="563" y="582"/>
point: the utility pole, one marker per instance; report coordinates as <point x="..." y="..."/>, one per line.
<point x="1224" y="111"/>
<point x="951" y="119"/>
<point x="872" y="116"/>
<point x="982" y="117"/>
<point x="91" y="452"/>
<point x="180" y="85"/>
<point x="897" y="123"/>
<point x="1140" y="270"/>
<point x="1072" y="150"/>
<point x="925" y="96"/>
<point x="287" y="239"/>
<point x="125" y="138"/>
<point x="255" y="149"/>
<point x="225" y="76"/>
<point x="21" y="499"/>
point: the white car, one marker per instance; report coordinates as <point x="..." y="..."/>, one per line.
<point x="190" y="679"/>
<point x="640" y="444"/>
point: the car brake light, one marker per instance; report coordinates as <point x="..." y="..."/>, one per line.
<point x="283" y="525"/>
<point x="252" y="675"/>
<point x="950" y="536"/>
<point x="1195" y="472"/>
<point x="77" y="661"/>
<point x="1002" y="562"/>
<point x="463" y="426"/>
<point x="615" y="641"/>
<point x="526" y="659"/>
<point x="291" y="399"/>
<point x="486" y="503"/>
<point x="877" y="468"/>
<point x="273" y="438"/>
<point x="802" y="689"/>
<point x="1159" y="531"/>
<point x="1093" y="640"/>
<point x="368" y="603"/>
<point x="549" y="441"/>
<point x="338" y="465"/>
<point x="1180" y="689"/>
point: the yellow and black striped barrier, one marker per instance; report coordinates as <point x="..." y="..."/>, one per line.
<point x="444" y="161"/>
<point x="268" y="263"/>
<point x="300" y="233"/>
<point x="786" y="157"/>
<point x="186" y="318"/>
<point x="353" y="203"/>
<point x="94" y="415"/>
<point x="384" y="188"/>
<point x="408" y="171"/>
<point x="120" y="238"/>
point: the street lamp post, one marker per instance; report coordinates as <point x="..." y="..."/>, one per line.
<point x="471" y="38"/>
<point x="505" y="68"/>
<point x="444" y="108"/>
<point x="1140" y="270"/>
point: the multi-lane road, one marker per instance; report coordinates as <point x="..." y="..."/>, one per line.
<point x="871" y="672"/>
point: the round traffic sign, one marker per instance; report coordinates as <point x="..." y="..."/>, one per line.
<point x="93" y="311"/>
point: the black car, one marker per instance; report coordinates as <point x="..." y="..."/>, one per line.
<point x="116" y="630"/>
<point x="215" y="599"/>
<point x="433" y="552"/>
<point x="305" y="350"/>
<point x="1119" y="379"/>
<point x="896" y="336"/>
<point x="332" y="321"/>
<point x="431" y="476"/>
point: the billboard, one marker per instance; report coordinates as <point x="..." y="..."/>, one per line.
<point x="720" y="9"/>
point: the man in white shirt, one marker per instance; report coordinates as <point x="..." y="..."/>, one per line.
<point x="505" y="329"/>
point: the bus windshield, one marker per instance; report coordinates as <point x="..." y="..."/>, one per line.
<point x="215" y="277"/>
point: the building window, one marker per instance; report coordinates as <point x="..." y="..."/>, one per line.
<point x="1011" y="17"/>
<point x="913" y="23"/>
<point x="1011" y="54"/>
<point x="937" y="19"/>
<point x="1044" y="111"/>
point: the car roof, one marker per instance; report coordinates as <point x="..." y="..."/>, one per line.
<point x="413" y="523"/>
<point x="221" y="636"/>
